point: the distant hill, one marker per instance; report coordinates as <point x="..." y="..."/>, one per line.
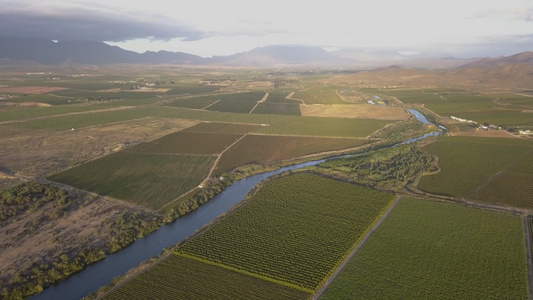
<point x="47" y="52"/>
<point x="84" y="52"/>
<point x="524" y="58"/>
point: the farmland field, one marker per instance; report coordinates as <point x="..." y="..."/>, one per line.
<point x="188" y="143"/>
<point x="464" y="162"/>
<point x="507" y="189"/>
<point x="360" y="111"/>
<point x="295" y="229"/>
<point x="278" y="97"/>
<point x="17" y="113"/>
<point x="205" y="127"/>
<point x="278" y="108"/>
<point x="265" y="149"/>
<point x="431" y="250"/>
<point x="510" y="188"/>
<point x="66" y="122"/>
<point x="149" y="180"/>
<point x="318" y="97"/>
<point x="332" y="127"/>
<point x="178" y="277"/>
<point x="234" y="106"/>
<point x="196" y="102"/>
<point x="407" y="95"/>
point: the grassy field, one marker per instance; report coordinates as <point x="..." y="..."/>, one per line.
<point x="262" y="149"/>
<point x="466" y="163"/>
<point x="429" y="250"/>
<point x="294" y="230"/>
<point x="150" y="180"/>
<point x="178" y="277"/>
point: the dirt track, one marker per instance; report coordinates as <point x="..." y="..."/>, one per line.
<point x="349" y="257"/>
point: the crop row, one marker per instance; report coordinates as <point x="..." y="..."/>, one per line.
<point x="295" y="229"/>
<point x="319" y="97"/>
<point x="177" y="277"/>
<point x="507" y="189"/>
<point x="151" y="180"/>
<point x="261" y="149"/>
<point x="188" y="143"/>
<point x="431" y="250"/>
<point x="467" y="163"/>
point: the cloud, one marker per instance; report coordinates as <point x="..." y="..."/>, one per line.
<point x="91" y="24"/>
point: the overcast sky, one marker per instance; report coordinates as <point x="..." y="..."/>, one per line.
<point x="461" y="28"/>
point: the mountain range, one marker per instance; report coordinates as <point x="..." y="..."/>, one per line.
<point x="47" y="52"/>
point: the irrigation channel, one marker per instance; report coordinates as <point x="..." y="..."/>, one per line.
<point x="116" y="264"/>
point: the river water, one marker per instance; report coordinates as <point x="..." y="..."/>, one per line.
<point x="101" y="273"/>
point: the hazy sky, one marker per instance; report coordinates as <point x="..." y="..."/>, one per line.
<point x="207" y="28"/>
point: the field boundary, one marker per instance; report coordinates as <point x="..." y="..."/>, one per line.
<point x="527" y="231"/>
<point x="260" y="101"/>
<point x="203" y="108"/>
<point x="213" y="167"/>
<point x="359" y="244"/>
<point x="244" y="272"/>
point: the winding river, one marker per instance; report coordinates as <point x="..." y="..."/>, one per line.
<point x="101" y="273"/>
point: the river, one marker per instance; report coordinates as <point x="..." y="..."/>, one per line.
<point x="101" y="273"/>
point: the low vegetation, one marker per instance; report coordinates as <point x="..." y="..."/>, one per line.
<point x="150" y="180"/>
<point x="438" y="250"/>
<point x="44" y="218"/>
<point x="163" y="141"/>
<point x="192" y="276"/>
<point x="295" y="230"/>
<point x="390" y="168"/>
<point x="264" y="149"/>
<point x="467" y="163"/>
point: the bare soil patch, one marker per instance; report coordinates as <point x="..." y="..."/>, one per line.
<point x="31" y="89"/>
<point x="22" y="244"/>
<point x="33" y="154"/>
<point x="356" y="111"/>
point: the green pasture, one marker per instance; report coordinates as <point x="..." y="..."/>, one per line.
<point x="431" y="250"/>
